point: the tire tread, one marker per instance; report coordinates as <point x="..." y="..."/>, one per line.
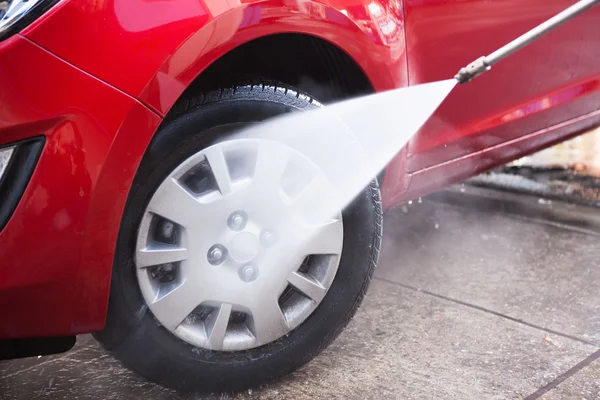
<point x="244" y="91"/>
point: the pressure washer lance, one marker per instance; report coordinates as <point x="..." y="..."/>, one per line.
<point x="485" y="63"/>
<point x="351" y="141"/>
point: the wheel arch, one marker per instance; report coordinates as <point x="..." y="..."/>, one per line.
<point x="381" y="58"/>
<point x="354" y="33"/>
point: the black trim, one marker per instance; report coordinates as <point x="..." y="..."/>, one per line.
<point x="17" y="175"/>
<point x="33" y="14"/>
<point x="31" y="347"/>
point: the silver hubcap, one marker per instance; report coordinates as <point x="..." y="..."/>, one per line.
<point x="230" y="254"/>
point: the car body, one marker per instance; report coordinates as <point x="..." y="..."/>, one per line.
<point x="92" y="81"/>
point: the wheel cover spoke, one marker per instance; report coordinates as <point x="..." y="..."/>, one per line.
<point x="268" y="321"/>
<point x="324" y="239"/>
<point x="175" y="306"/>
<point x="216" y="326"/>
<point x="160" y="254"/>
<point x="311" y="288"/>
<point x="310" y="196"/>
<point x="218" y="165"/>
<point x="270" y="166"/>
<point x="173" y="202"/>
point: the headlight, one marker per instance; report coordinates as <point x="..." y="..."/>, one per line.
<point x="5" y="155"/>
<point x="17" y="162"/>
<point x="16" y="14"/>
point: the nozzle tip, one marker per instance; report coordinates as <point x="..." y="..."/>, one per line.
<point x="473" y="70"/>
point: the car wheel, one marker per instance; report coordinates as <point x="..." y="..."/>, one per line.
<point x="206" y="295"/>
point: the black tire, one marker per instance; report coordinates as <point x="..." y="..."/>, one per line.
<point x="135" y="337"/>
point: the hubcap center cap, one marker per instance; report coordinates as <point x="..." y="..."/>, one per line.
<point x="244" y="247"/>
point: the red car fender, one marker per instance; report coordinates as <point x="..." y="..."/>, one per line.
<point x="383" y="61"/>
<point x="57" y="248"/>
<point x="154" y="50"/>
<point x="90" y="294"/>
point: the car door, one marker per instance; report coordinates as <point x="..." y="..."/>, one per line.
<point x="552" y="81"/>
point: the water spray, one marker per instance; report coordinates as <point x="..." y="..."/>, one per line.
<point x="350" y="149"/>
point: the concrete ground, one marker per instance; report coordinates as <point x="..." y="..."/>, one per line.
<point x="477" y="296"/>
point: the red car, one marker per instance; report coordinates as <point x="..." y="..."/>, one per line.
<point x="121" y="215"/>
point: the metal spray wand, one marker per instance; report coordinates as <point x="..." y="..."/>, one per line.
<point x="485" y="63"/>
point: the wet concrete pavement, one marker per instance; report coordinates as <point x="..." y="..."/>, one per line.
<point x="569" y="171"/>
<point x="581" y="153"/>
<point x="469" y="302"/>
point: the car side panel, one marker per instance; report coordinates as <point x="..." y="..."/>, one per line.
<point x="553" y="80"/>
<point x="431" y="179"/>
<point x="428" y="180"/>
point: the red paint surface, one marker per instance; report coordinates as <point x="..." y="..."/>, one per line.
<point x="56" y="251"/>
<point x="154" y="50"/>
<point x="551" y="81"/>
<point x="95" y="76"/>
